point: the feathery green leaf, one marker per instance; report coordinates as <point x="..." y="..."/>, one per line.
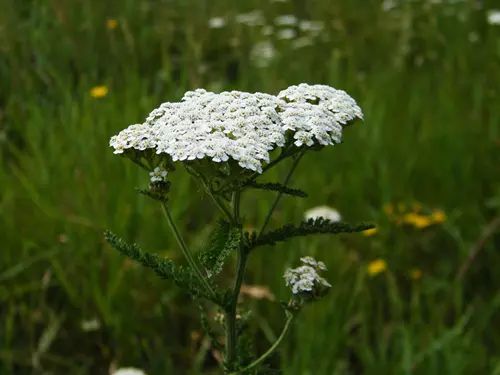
<point x="311" y="226"/>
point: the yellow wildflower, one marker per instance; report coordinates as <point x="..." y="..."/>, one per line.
<point x="370" y="232"/>
<point x="99" y="91"/>
<point x="415" y="274"/>
<point x="419" y="221"/>
<point x="112" y="24"/>
<point x="388" y="209"/>
<point x="376" y="267"/>
<point x="438" y="216"/>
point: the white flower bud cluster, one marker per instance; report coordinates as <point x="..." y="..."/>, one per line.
<point x="242" y="126"/>
<point x="305" y="278"/>
<point x="158" y="174"/>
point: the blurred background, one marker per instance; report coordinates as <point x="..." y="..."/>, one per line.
<point x="419" y="295"/>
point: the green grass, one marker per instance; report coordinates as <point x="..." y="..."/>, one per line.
<point x="431" y="135"/>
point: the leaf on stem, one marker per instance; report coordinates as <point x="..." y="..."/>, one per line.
<point x="165" y="268"/>
<point x="274" y="186"/>
<point x="311" y="226"/>
<point x="224" y="240"/>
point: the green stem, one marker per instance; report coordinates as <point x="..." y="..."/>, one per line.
<point x="271" y="349"/>
<point x="219" y="204"/>
<point x="231" y="334"/>
<point x="185" y="250"/>
<point x="276" y="201"/>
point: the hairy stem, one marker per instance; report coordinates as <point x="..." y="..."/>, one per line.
<point x="276" y="201"/>
<point x="185" y="250"/>
<point x="271" y="349"/>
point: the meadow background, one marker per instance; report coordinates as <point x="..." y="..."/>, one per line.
<point x="419" y="296"/>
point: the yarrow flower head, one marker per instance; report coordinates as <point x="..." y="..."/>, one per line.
<point x="317" y="113"/>
<point x="235" y="128"/>
<point x="305" y="281"/>
<point x="236" y="125"/>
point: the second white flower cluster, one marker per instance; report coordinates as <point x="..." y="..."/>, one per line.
<point x="241" y="126"/>
<point x="306" y="278"/>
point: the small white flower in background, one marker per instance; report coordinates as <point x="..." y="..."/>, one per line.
<point x="286" y="34"/>
<point x="325" y="212"/>
<point x="158" y="174"/>
<point x="313" y="27"/>
<point x="267" y="30"/>
<point x="473" y="37"/>
<point x="216" y="22"/>
<point x="262" y="54"/>
<point x="388" y="5"/>
<point x="306" y="279"/>
<point x="286" y="20"/>
<point x="90" y="325"/>
<point x="494" y="17"/>
<point x="301" y="42"/>
<point x="255" y="18"/>
<point x="128" y="371"/>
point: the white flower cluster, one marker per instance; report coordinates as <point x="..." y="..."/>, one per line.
<point x="158" y="174"/>
<point x="138" y="136"/>
<point x="233" y="124"/>
<point x="305" y="278"/>
<point x="242" y="126"/>
<point x="317" y="111"/>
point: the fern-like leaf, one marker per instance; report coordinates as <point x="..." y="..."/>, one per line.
<point x="225" y="239"/>
<point x="311" y="226"/>
<point x="274" y="186"/>
<point x="165" y="268"/>
<point x="156" y="195"/>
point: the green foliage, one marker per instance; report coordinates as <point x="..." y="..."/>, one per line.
<point x="224" y="241"/>
<point x="274" y="186"/>
<point x="164" y="268"/>
<point x="156" y="193"/>
<point x="305" y="228"/>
